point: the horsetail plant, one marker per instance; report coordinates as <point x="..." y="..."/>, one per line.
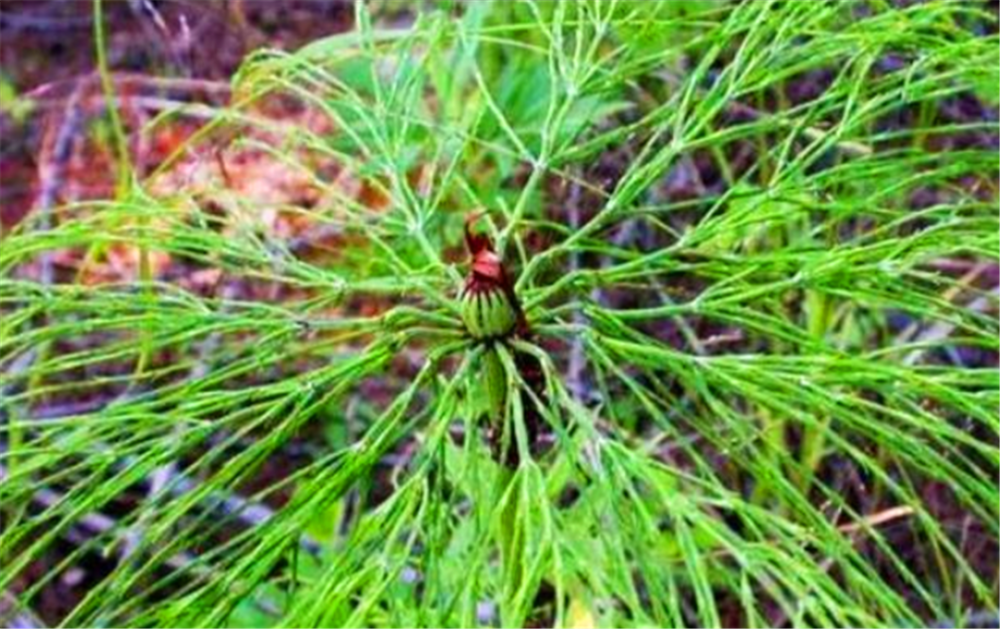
<point x="493" y="317"/>
<point x="728" y="358"/>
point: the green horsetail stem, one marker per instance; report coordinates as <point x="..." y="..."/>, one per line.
<point x="495" y="384"/>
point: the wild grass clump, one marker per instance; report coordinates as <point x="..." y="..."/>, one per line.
<point x="756" y="245"/>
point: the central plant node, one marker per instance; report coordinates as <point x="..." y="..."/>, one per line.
<point x="490" y="309"/>
<point x="487" y="312"/>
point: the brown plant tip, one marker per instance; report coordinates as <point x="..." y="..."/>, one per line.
<point x="489" y="290"/>
<point x="473" y="241"/>
<point x="487" y="272"/>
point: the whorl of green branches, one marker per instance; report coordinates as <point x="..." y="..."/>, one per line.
<point x="693" y="484"/>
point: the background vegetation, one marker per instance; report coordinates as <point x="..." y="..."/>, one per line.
<point x="757" y="244"/>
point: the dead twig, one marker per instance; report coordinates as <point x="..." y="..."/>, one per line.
<point x="576" y="369"/>
<point x="876" y="519"/>
<point x="15" y="614"/>
<point x="942" y="329"/>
